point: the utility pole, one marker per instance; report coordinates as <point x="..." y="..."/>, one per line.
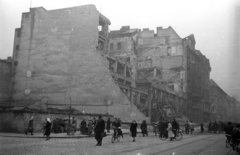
<point x="68" y="132"/>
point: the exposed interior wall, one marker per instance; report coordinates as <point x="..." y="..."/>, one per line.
<point x="59" y="64"/>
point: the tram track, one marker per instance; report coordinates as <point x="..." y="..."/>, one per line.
<point x="138" y="148"/>
<point x="179" y="146"/>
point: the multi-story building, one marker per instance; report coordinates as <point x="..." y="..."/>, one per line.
<point x="180" y="66"/>
<point x="198" y="75"/>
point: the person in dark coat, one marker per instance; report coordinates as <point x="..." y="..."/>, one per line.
<point x="83" y="126"/>
<point x="30" y="126"/>
<point x="55" y="125"/>
<point x="108" y="125"/>
<point x="215" y="127"/>
<point x="210" y="126"/>
<point x="99" y="129"/>
<point x="201" y="126"/>
<point x="48" y="128"/>
<point x="133" y="129"/>
<point x="175" y="127"/>
<point x="144" y="128"/>
<point x="163" y="129"/>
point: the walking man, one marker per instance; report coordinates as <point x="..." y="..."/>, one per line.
<point x="175" y="128"/>
<point x="108" y="125"/>
<point x="187" y="127"/>
<point x="99" y="129"/>
<point x="191" y="127"/>
<point x="133" y="129"/>
<point x="30" y="126"/>
<point x="201" y="126"/>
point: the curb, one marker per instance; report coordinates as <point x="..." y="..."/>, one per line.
<point x="69" y="137"/>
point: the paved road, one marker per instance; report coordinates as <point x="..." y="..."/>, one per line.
<point x="206" y="144"/>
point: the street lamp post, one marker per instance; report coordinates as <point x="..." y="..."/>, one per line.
<point x="68" y="131"/>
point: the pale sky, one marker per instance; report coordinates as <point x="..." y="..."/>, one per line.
<point x="209" y="20"/>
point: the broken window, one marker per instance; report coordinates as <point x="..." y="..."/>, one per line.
<point x="26" y="15"/>
<point x="17" y="47"/>
<point x="119" y="46"/>
<point x="111" y="46"/>
<point x="18" y="33"/>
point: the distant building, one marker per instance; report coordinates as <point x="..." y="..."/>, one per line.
<point x="223" y="107"/>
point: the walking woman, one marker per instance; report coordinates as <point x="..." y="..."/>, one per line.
<point x="133" y="129"/>
<point x="170" y="133"/>
<point x="48" y="128"/>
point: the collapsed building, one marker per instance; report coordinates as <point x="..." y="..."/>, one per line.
<point x="168" y="68"/>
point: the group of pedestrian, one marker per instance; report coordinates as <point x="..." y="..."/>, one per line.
<point x="216" y="127"/>
<point x="189" y="127"/>
<point x="46" y="126"/>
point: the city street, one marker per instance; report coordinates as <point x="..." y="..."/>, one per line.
<point x="196" y="144"/>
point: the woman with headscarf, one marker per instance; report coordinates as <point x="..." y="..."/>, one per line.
<point x="170" y="133"/>
<point x="48" y="128"/>
<point x="133" y="130"/>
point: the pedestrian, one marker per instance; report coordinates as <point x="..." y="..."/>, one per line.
<point x="201" y="126"/>
<point x="94" y="124"/>
<point x="175" y="127"/>
<point x="191" y="127"/>
<point x="215" y="127"/>
<point x="30" y="126"/>
<point x="133" y="129"/>
<point x="74" y="124"/>
<point x="170" y="133"/>
<point x="187" y="127"/>
<point x="48" y="128"/>
<point x="210" y="127"/>
<point x="43" y="127"/>
<point x="83" y="126"/>
<point x="163" y="129"/>
<point x="55" y="126"/>
<point x="99" y="130"/>
<point x="119" y="122"/>
<point x="144" y="128"/>
<point x="108" y="125"/>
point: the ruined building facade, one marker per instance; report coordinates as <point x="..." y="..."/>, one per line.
<point x="166" y="64"/>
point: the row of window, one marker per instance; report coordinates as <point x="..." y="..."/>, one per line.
<point x="119" y="46"/>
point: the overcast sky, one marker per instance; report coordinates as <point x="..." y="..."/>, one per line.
<point x="210" y="21"/>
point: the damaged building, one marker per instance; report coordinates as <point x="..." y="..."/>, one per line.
<point x="168" y="68"/>
<point x="58" y="62"/>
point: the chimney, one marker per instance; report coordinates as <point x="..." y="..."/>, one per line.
<point x="125" y="28"/>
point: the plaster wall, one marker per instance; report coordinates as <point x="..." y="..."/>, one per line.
<point x="58" y="64"/>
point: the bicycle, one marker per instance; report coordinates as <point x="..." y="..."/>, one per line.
<point x="115" y="136"/>
<point x="228" y="140"/>
<point x="164" y="135"/>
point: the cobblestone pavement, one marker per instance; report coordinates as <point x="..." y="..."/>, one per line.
<point x="190" y="145"/>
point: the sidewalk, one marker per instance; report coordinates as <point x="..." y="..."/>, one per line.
<point x="55" y="135"/>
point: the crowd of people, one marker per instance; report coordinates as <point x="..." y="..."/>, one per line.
<point x="97" y="128"/>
